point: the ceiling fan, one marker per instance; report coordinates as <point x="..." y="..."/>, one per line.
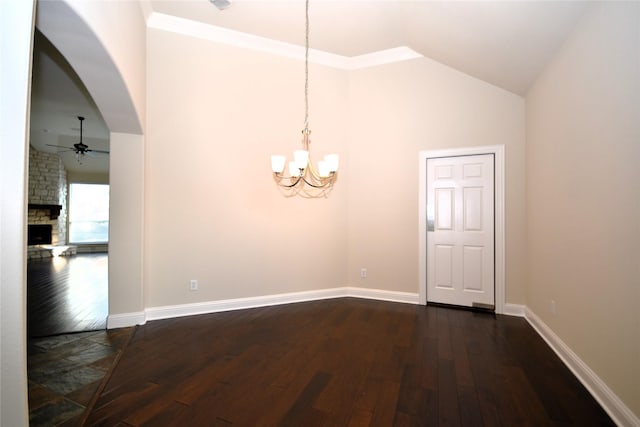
<point x="81" y="149"/>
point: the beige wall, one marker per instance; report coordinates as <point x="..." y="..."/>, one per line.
<point x="126" y="227"/>
<point x="583" y="195"/>
<point x="212" y="211"/>
<point x="395" y="112"/>
<point x="216" y="113"/>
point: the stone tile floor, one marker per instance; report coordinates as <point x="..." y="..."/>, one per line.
<point x="65" y="371"/>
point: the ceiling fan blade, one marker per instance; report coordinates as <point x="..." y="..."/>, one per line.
<point x="61" y="146"/>
<point x="96" y="151"/>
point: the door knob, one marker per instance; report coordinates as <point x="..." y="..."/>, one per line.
<point x="430" y="218"/>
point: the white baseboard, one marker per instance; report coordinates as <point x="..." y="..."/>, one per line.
<point x="514" y="310"/>
<point x="168" y="312"/>
<point x="382" y="295"/>
<point x="115" y="321"/>
<point x="611" y="403"/>
<point x="171" y="311"/>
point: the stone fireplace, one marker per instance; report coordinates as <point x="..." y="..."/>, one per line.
<point x="47" y="199"/>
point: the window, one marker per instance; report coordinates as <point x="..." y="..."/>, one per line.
<point x="88" y="213"/>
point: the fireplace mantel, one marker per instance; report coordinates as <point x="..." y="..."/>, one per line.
<point x="54" y="210"/>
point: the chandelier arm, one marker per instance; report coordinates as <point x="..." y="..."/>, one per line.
<point x="288" y="185"/>
<point x="313" y="172"/>
<point x="325" y="185"/>
<point x="315" y="182"/>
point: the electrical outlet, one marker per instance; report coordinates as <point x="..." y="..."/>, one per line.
<point x="553" y="307"/>
<point x="363" y="273"/>
<point x="193" y="285"/>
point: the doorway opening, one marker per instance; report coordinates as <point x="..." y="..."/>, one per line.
<point x="67" y="270"/>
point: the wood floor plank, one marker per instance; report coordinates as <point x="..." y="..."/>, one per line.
<point x="470" y="412"/>
<point x="385" y="411"/>
<point x="302" y="412"/>
<point x="359" y="418"/>
<point x="172" y="415"/>
<point x="448" y="405"/>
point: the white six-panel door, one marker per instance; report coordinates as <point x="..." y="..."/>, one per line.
<point x="460" y="230"/>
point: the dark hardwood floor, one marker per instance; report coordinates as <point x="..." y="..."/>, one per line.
<point x="342" y="362"/>
<point x="67" y="294"/>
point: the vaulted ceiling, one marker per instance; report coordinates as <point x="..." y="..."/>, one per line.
<point x="505" y="43"/>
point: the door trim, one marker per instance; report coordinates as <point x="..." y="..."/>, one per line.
<point x="498" y="152"/>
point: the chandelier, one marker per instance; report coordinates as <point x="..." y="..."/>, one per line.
<point x="304" y="179"/>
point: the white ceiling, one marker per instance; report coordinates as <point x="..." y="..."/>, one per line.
<point x="505" y="43"/>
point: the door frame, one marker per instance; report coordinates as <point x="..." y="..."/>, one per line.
<point x="498" y="212"/>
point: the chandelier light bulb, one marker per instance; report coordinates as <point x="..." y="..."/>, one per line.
<point x="294" y="170"/>
<point x="301" y="157"/>
<point x="323" y="169"/>
<point x="277" y="163"/>
<point x="332" y="162"/>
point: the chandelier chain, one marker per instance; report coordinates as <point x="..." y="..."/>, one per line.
<point x="306" y="66"/>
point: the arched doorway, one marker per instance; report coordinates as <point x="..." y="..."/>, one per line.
<point x="67" y="274"/>
<point x="110" y="63"/>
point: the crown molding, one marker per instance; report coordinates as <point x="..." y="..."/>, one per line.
<point x="239" y="39"/>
